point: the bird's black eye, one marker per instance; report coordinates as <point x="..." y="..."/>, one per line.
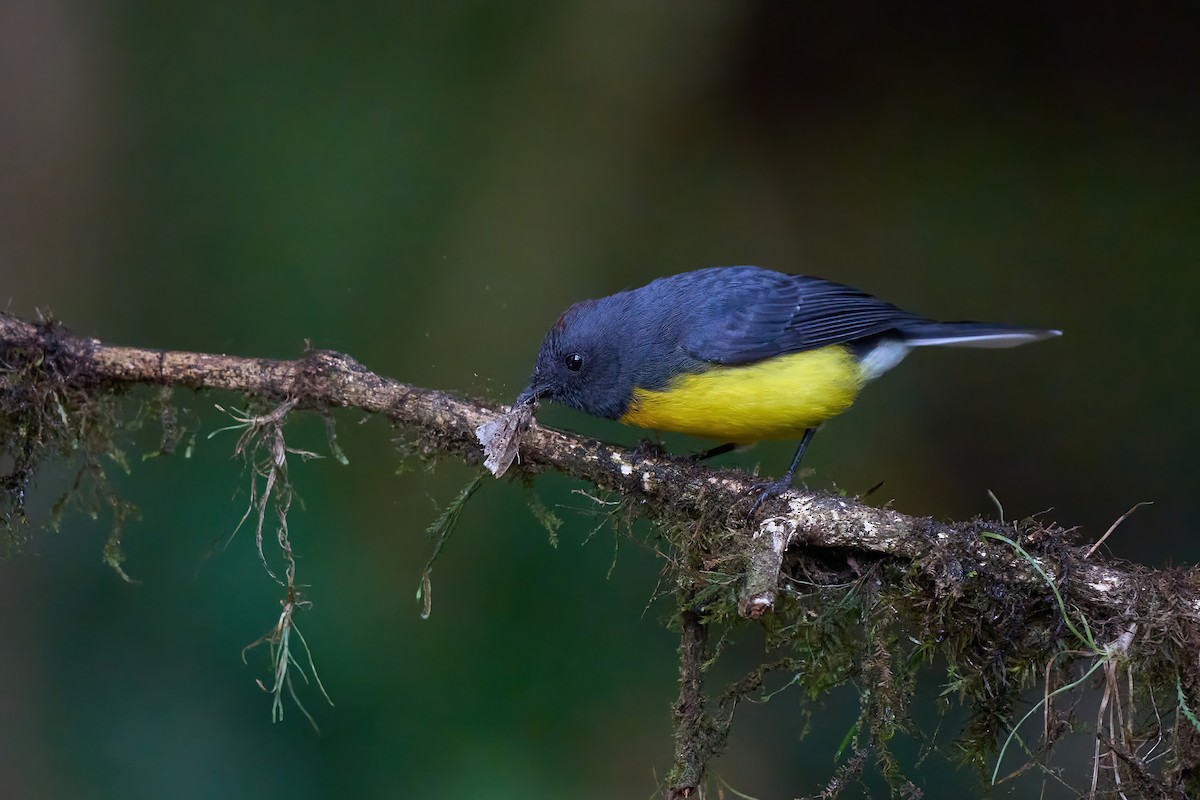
<point x="574" y="362"/>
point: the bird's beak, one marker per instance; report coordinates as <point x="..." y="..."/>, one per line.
<point x="529" y="397"/>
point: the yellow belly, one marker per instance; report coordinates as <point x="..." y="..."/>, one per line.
<point x="778" y="398"/>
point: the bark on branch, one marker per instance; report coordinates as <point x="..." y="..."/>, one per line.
<point x="1111" y="596"/>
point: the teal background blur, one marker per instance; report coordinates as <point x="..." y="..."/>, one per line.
<point x="425" y="187"/>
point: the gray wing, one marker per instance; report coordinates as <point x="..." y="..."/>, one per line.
<point x="751" y="314"/>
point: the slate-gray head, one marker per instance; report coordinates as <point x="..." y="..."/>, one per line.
<point x="579" y="364"/>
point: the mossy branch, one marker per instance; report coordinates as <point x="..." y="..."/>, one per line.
<point x="668" y="489"/>
<point x="949" y="576"/>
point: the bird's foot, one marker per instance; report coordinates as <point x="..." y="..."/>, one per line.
<point x="769" y="489"/>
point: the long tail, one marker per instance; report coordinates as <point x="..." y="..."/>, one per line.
<point x="923" y="333"/>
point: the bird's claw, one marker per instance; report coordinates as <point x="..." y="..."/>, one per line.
<point x="767" y="490"/>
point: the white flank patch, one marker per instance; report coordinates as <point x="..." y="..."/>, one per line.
<point x="885" y="355"/>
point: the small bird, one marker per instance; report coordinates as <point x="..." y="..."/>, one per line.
<point x="737" y="354"/>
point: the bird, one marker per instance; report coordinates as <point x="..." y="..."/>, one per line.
<point x="737" y="354"/>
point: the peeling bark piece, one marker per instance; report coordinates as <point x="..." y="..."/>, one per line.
<point x="764" y="560"/>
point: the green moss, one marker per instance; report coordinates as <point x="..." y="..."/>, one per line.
<point x="1014" y="647"/>
<point x="439" y="532"/>
<point x="50" y="412"/>
<point x="878" y="624"/>
<point x="548" y="519"/>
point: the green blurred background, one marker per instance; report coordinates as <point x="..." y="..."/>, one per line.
<point x="425" y="186"/>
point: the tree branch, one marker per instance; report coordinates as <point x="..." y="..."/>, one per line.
<point x="946" y="562"/>
<point x="669" y="489"/>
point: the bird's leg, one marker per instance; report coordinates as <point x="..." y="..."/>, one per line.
<point x="772" y="488"/>
<point x="713" y="452"/>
